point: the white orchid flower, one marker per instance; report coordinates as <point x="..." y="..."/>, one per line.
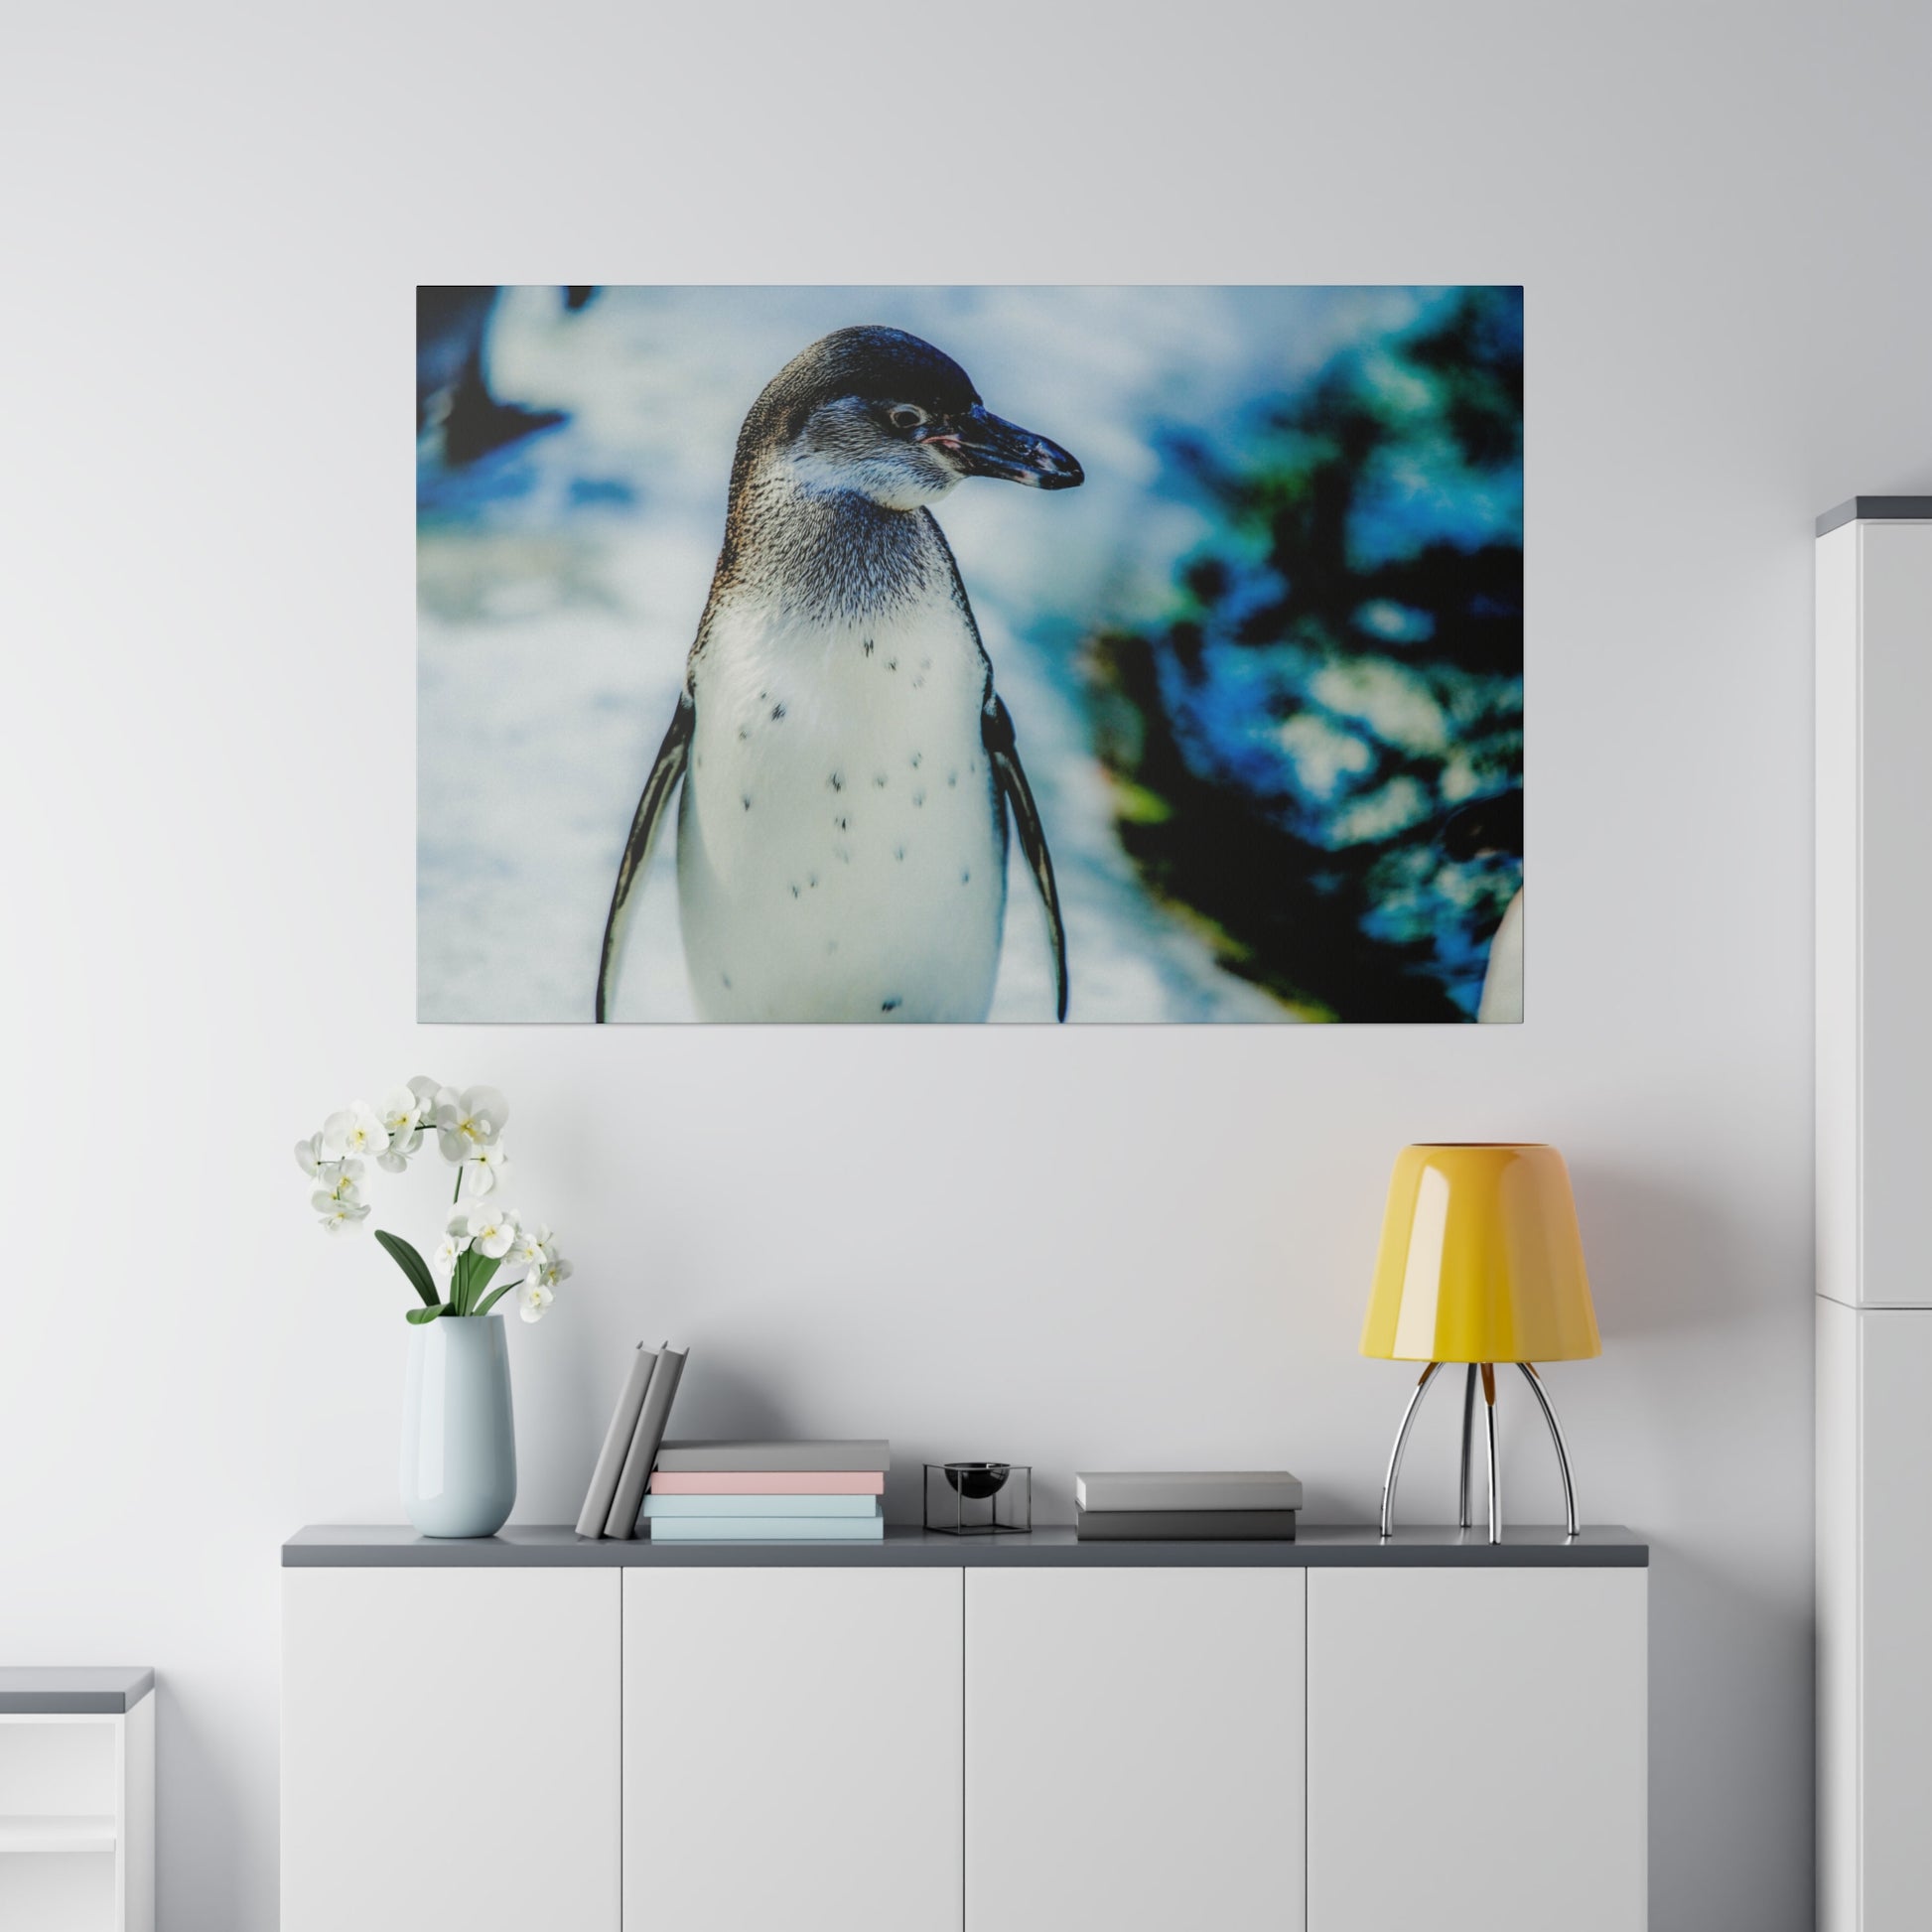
<point x="341" y="1213"/>
<point x="492" y="1231"/>
<point x="445" y="1258"/>
<point x="532" y="1246"/>
<point x="553" y="1269"/>
<point x="339" y="1179"/>
<point x="400" y="1111"/>
<point x="401" y="1116"/>
<point x="357" y="1130"/>
<point x="531" y="1301"/>
<point x="425" y="1091"/>
<point x="307" y="1156"/>
<point x="486" y="1170"/>
<point x="469" y="1120"/>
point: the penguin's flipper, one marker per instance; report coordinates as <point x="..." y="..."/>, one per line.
<point x="996" y="734"/>
<point x="665" y="771"/>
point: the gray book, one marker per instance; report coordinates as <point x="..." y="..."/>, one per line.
<point x="1189" y="1489"/>
<point x="617" y="1445"/>
<point x="644" y="1441"/>
<point x="1186" y="1525"/>
<point x="739" y="1458"/>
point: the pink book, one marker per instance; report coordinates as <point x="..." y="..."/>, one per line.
<point x="770" y="1482"/>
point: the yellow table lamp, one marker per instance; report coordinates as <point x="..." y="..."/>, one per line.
<point x="1480" y="1262"/>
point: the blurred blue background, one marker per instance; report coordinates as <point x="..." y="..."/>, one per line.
<point x="1266" y="666"/>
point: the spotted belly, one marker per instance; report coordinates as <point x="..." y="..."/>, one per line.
<point x="841" y="842"/>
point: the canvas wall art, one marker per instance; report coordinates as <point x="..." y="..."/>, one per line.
<point x="954" y="654"/>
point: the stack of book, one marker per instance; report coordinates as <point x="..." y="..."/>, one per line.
<point x="616" y="1492"/>
<point x="1226" y="1506"/>
<point x="777" y="1492"/>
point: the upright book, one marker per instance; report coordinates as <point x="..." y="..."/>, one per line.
<point x="644" y="1442"/>
<point x="603" y="1491"/>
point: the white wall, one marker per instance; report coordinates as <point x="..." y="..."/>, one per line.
<point x="1083" y="1247"/>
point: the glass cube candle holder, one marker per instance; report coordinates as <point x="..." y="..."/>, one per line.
<point x="979" y="1498"/>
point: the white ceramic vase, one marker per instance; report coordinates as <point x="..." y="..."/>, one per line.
<point x="459" y="1438"/>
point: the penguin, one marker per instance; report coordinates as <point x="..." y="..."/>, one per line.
<point x="1495" y="825"/>
<point x="451" y="389"/>
<point x="847" y="769"/>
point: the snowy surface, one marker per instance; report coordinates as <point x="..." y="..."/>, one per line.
<point x="561" y="581"/>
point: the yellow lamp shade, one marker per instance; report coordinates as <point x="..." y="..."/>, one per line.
<point x="1481" y="1260"/>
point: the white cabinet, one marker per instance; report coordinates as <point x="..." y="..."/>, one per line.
<point x="791" y="1750"/>
<point x="76" y="1816"/>
<point x="1134" y="1750"/>
<point x="1875" y="1598"/>
<point x="1874" y="910"/>
<point x="1476" y="1750"/>
<point x="532" y="1733"/>
<point x="450" y="1750"/>
<point x="1874" y="1264"/>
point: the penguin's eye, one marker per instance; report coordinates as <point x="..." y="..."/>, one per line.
<point x="904" y="416"/>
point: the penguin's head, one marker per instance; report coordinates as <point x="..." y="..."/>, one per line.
<point x="883" y="414"/>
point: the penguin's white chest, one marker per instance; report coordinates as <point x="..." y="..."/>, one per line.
<point x="841" y="842"/>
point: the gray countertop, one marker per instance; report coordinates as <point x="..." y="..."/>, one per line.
<point x="1318" y="1546"/>
<point x="1877" y="510"/>
<point x="65" y="1690"/>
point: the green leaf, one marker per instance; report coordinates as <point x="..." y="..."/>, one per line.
<point x="495" y="1296"/>
<point x="412" y="1265"/>
<point x="484" y="1266"/>
<point x="420" y="1316"/>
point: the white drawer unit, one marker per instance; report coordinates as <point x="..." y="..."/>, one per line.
<point x="77" y="1800"/>
<point x="941" y="1735"/>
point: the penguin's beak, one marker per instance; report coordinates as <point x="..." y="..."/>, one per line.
<point x="989" y="446"/>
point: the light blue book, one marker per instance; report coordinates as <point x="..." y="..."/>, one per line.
<point x="662" y="1506"/>
<point x="767" y="1529"/>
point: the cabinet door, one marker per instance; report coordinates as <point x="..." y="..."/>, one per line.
<point x="1894" y="1542"/>
<point x="1134" y="1750"/>
<point x="791" y="1750"/>
<point x="1476" y="1745"/>
<point x="1891" y="1028"/>
<point x="450" y="1750"/>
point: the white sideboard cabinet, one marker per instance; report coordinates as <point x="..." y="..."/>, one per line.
<point x="941" y="1735"/>
<point x="1873" y="591"/>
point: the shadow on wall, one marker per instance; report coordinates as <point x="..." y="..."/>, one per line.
<point x="1731" y="1686"/>
<point x="1664" y="1261"/>
<point x="197" y="1810"/>
<point x="721" y="1402"/>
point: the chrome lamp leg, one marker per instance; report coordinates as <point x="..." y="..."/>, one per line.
<point x="1556" y="1435"/>
<point x="1495" y="1467"/>
<point x="1465" y="1519"/>
<point x="1401" y="1440"/>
